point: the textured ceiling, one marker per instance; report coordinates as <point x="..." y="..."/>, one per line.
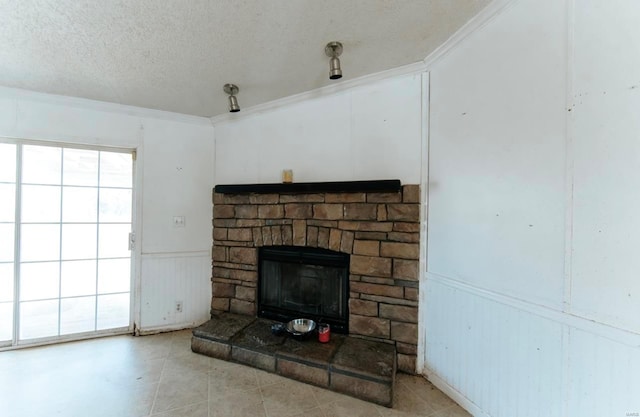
<point x="176" y="55"/>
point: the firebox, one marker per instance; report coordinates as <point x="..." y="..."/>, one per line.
<point x="297" y="282"/>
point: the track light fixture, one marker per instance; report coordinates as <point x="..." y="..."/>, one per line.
<point x="232" y="90"/>
<point x="333" y="50"/>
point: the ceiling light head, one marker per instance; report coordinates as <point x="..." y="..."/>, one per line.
<point x="232" y="90"/>
<point x="334" y="50"/>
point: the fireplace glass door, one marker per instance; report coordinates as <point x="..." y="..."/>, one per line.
<point x="299" y="282"/>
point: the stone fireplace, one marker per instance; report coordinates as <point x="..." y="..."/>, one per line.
<point x="375" y="223"/>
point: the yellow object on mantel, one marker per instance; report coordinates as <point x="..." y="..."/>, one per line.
<point x="287" y="176"/>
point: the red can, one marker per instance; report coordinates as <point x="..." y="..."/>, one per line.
<point x="324" y="333"/>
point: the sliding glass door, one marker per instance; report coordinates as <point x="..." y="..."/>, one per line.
<point x="8" y="154"/>
<point x="67" y="268"/>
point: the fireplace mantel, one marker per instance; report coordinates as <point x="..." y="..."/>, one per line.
<point x="376" y="186"/>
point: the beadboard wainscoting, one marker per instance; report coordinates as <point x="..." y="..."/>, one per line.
<point x="168" y="279"/>
<point x="510" y="357"/>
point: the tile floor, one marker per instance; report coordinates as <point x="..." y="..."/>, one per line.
<point x="159" y="376"/>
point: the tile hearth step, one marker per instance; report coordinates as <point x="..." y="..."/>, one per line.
<point x="361" y="368"/>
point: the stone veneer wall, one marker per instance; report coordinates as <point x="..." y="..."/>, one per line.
<point x="381" y="232"/>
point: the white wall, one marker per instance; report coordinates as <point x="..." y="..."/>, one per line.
<point x="532" y="305"/>
<point x="531" y="278"/>
<point x="362" y="133"/>
<point x="174" y="171"/>
<point x="605" y="115"/>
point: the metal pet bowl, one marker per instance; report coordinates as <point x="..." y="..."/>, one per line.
<point x="301" y="327"/>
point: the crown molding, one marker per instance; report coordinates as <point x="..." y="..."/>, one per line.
<point x="485" y="16"/>
<point x="328" y="90"/>
<point x="87" y="104"/>
<point x="477" y="22"/>
<point x="493" y="9"/>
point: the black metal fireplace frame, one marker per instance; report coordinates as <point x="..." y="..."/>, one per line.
<point x="310" y="256"/>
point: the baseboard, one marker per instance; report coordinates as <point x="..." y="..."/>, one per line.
<point x="164" y="329"/>
<point x="462" y="401"/>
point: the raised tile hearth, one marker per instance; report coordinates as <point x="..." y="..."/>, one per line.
<point x="358" y="367"/>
